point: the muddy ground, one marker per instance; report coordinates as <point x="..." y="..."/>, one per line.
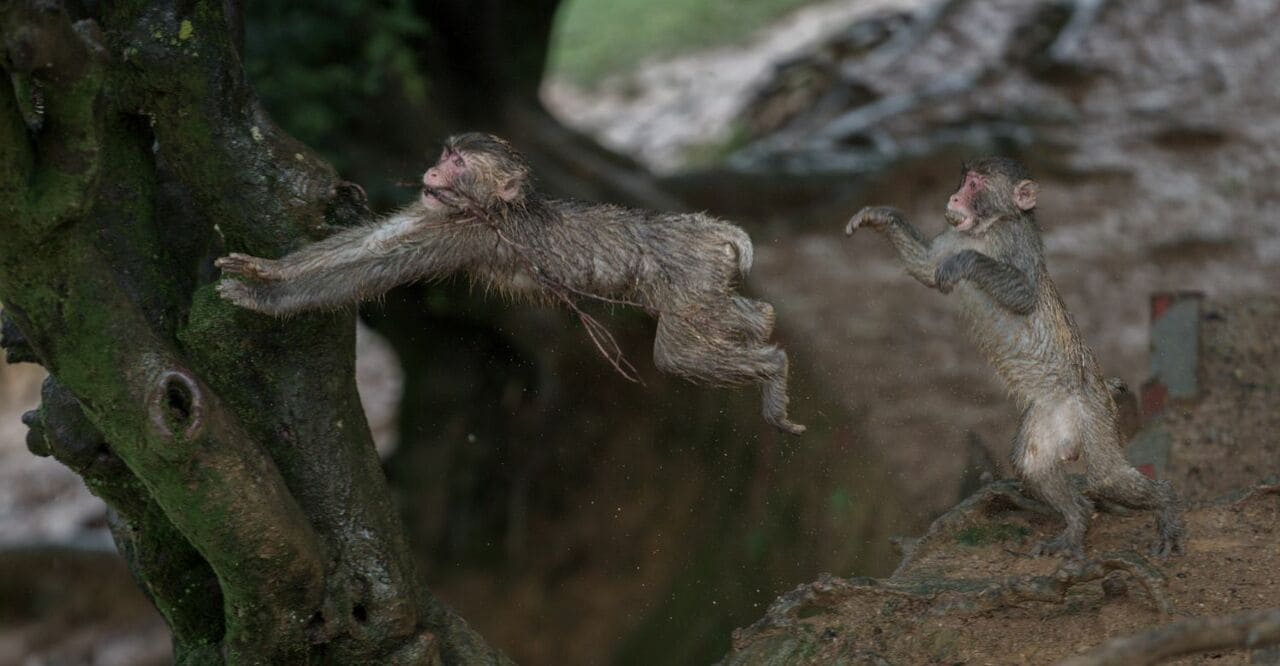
<point x="1231" y="565"/>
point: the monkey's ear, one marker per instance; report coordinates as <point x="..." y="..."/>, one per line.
<point x="511" y="188"/>
<point x="1024" y="194"/>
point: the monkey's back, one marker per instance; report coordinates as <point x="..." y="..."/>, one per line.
<point x="660" y="259"/>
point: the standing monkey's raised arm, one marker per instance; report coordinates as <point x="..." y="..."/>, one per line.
<point x="914" y="251"/>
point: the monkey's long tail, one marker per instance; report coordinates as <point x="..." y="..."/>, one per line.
<point x="746" y="252"/>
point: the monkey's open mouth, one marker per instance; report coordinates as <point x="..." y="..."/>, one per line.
<point x="960" y="221"/>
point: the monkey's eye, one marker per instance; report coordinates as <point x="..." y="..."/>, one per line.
<point x="457" y="161"/>
<point x="973" y="185"/>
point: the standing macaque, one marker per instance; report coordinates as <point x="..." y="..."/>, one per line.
<point x="479" y="215"/>
<point x="992" y="257"/>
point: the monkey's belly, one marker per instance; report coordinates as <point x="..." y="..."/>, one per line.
<point x="517" y="282"/>
<point x="1028" y="356"/>
<point x="1052" y="432"/>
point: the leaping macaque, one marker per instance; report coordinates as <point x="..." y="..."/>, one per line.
<point x="993" y="258"/>
<point x="479" y="215"/>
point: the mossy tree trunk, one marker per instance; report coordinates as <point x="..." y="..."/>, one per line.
<point x="231" y="447"/>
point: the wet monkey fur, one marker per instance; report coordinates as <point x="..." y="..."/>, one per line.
<point x="993" y="259"/>
<point x="480" y="215"/>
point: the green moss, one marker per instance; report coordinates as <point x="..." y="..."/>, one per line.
<point x="981" y="535"/>
<point x="61" y="188"/>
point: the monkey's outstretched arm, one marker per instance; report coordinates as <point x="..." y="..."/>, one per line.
<point x="350" y="266"/>
<point x="914" y="251"/>
<point x="1007" y="285"/>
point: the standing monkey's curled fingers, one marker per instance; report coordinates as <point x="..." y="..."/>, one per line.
<point x="874" y="217"/>
<point x="480" y="215"/>
<point x="993" y="259"/>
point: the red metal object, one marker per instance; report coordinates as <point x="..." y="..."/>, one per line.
<point x="1160" y="304"/>
<point x="1155" y="395"/>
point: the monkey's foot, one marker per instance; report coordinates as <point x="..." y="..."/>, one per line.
<point x="789" y="427"/>
<point x="1068" y="547"/>
<point x="1167" y="546"/>
<point x="245" y="265"/>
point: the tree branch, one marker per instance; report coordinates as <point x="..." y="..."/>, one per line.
<point x="1249" y="630"/>
<point x="1260" y="490"/>
<point x="172" y="574"/>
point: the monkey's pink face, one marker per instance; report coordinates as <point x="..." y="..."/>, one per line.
<point x="443" y="176"/>
<point x="961" y="206"/>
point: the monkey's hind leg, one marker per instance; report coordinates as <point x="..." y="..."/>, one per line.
<point x="704" y="348"/>
<point x="1053" y="486"/>
<point x="773" y="392"/>
<point x="755" y="321"/>
<point x="1111" y="477"/>
<point x="1039" y="460"/>
<point x="755" y="317"/>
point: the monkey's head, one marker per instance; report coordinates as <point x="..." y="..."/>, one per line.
<point x="476" y="169"/>
<point x="991" y="189"/>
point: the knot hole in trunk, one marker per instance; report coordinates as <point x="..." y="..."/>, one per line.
<point x="177" y="405"/>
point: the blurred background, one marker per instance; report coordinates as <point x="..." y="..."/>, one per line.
<point x="575" y="518"/>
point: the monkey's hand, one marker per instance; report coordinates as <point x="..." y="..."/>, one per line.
<point x="875" y="217"/>
<point x="953" y="269"/>
<point x="238" y="293"/>
<point x="243" y="265"/>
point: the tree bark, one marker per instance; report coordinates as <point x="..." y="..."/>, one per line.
<point x="231" y="446"/>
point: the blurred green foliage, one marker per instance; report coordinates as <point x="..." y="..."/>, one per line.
<point x="595" y="38"/>
<point x="319" y="66"/>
